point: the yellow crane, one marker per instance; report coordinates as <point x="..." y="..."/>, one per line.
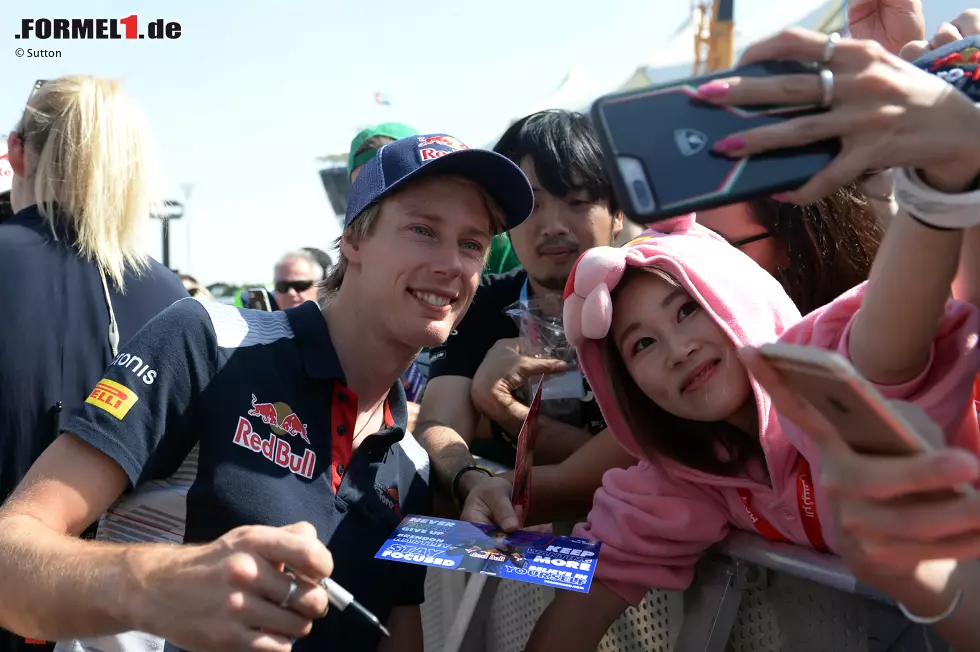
<point x="714" y="35"/>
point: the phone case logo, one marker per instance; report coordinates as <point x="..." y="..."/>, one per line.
<point x="690" y="141"/>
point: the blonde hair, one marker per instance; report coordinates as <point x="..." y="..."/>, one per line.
<point x="365" y="224"/>
<point x="94" y="171"/>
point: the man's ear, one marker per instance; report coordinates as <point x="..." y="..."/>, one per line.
<point x="617" y="224"/>
<point x="15" y="154"/>
<point x="349" y="248"/>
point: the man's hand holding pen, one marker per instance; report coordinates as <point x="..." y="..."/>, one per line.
<point x="234" y="593"/>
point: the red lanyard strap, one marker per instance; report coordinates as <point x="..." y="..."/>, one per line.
<point x="807" y="503"/>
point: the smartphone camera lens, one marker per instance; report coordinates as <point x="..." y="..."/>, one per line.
<point x="642" y="195"/>
<point x="635" y="180"/>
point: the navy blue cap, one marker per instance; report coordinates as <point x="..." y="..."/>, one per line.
<point x="958" y="63"/>
<point x="416" y="157"/>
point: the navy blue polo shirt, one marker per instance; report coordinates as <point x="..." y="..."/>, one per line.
<point x="223" y="417"/>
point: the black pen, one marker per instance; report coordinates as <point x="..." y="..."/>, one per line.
<point x="342" y="598"/>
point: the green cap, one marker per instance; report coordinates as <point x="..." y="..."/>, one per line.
<point x="393" y="130"/>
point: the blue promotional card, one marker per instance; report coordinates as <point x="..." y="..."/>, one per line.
<point x="533" y="557"/>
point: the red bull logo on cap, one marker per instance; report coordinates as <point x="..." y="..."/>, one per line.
<point x="961" y="69"/>
<point x="433" y="147"/>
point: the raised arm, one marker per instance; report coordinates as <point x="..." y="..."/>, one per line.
<point x="891" y="338"/>
<point x="887" y="114"/>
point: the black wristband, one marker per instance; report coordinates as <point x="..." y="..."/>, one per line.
<point x="454" y="487"/>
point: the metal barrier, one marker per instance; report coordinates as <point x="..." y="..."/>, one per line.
<point x="748" y="595"/>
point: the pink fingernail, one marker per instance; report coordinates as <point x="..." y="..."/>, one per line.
<point x="730" y="144"/>
<point x="781" y="197"/>
<point x="714" y="89"/>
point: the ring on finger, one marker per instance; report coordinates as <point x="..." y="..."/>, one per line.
<point x="829" y="48"/>
<point x="290" y="596"/>
<point x="826" y="87"/>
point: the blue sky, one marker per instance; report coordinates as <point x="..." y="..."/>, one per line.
<point x="252" y="92"/>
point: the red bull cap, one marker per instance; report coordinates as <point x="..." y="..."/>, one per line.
<point x="416" y="157"/>
<point x="958" y="63"/>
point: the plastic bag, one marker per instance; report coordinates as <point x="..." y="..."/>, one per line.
<point x="543" y="336"/>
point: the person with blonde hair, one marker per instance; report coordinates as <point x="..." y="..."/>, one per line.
<point x="74" y="280"/>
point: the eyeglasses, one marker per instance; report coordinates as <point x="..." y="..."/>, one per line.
<point x="282" y="287"/>
<point x="750" y="239"/>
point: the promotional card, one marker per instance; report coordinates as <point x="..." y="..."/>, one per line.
<point x="533" y="557"/>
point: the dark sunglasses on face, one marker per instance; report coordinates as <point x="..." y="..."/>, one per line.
<point x="282" y="287"/>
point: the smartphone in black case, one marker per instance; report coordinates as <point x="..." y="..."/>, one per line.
<point x="657" y="144"/>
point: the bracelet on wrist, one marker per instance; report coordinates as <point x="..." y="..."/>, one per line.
<point x="934" y="208"/>
<point x="454" y="487"/>
<point x="919" y="620"/>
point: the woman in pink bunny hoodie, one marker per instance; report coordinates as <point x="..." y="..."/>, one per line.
<point x="657" y="325"/>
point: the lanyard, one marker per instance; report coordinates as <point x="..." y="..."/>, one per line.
<point x="807" y="503"/>
<point x="532" y="331"/>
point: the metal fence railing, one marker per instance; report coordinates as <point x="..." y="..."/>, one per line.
<point x="749" y="595"/>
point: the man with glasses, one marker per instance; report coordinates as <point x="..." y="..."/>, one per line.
<point x="296" y="276"/>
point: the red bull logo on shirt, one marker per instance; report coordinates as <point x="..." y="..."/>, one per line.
<point x="283" y="423"/>
<point x="275" y="449"/>
<point x="433" y="147"/>
<point x="281" y="419"/>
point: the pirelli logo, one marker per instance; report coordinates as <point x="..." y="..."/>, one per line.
<point x="112" y="397"/>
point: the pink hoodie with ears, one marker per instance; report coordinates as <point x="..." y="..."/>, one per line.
<point x="656" y="519"/>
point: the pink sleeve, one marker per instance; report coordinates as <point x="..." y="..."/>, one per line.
<point x="946" y="384"/>
<point x="653" y="529"/>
